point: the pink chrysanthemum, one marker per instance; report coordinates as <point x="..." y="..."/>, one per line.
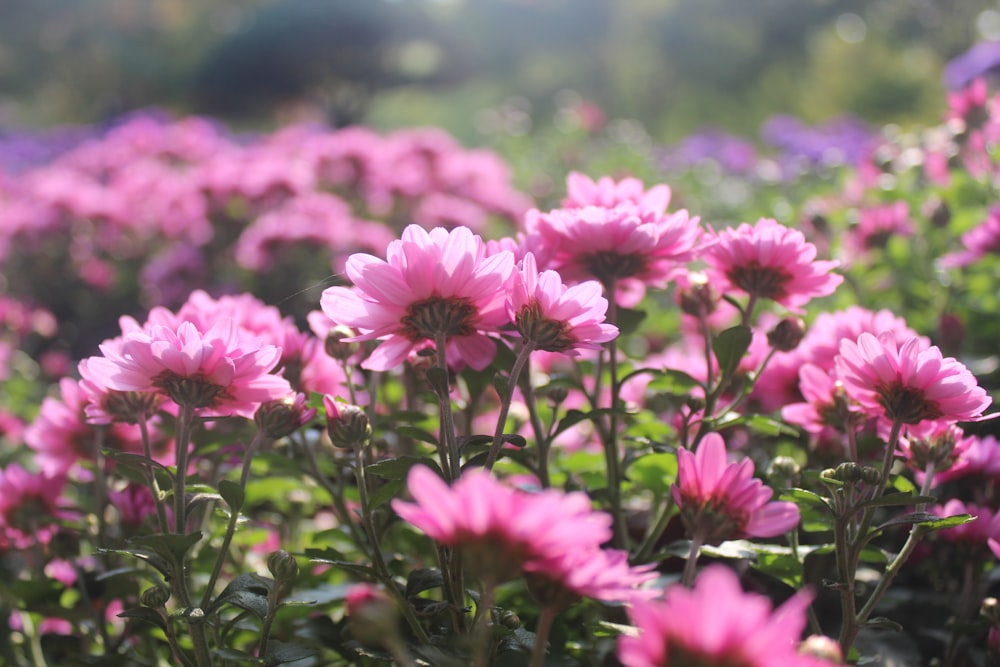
<point x="582" y="191"/>
<point x="980" y="241"/>
<point x="29" y="507"/>
<point x="908" y="384"/>
<point x="627" y="244"/>
<point x="824" y="406"/>
<point x="556" y="318"/>
<point x="721" y="501"/>
<point x="432" y="284"/>
<point x="715" y="623"/>
<point x="770" y="261"/>
<point x="502" y="529"/>
<point x="221" y="371"/>
<point x="877" y="224"/>
<point x="592" y="573"/>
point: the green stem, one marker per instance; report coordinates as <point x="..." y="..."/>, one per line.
<point x="184" y="424"/>
<point x="343" y="514"/>
<point x="483" y="625"/>
<point x="505" y="401"/>
<point x="612" y="454"/>
<point x="543" y="436"/>
<point x="687" y="578"/>
<point x="234" y="517"/>
<point x="154" y="486"/>
<point x="656" y="532"/>
<point x="447" y="417"/>
<point x="542" y="632"/>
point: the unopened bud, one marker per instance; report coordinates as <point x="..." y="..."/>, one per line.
<point x="155" y="597"/>
<point x="335" y="346"/>
<point x="556" y="395"/>
<point x="371" y="614"/>
<point x="823" y="647"/>
<point x="849" y="472"/>
<point x="787" y="334"/>
<point x="699" y="298"/>
<point x="695" y="404"/>
<point x="783" y="471"/>
<point x="280" y="418"/>
<point x="936" y="209"/>
<point x="990" y="610"/>
<point x="282" y="566"/>
<point x="509" y="619"/>
<point x="870" y="475"/>
<point x="347" y="425"/>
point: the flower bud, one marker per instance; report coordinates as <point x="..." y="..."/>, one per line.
<point x="347" y="425"/>
<point x="823" y="647"/>
<point x="282" y="566"/>
<point x="371" y="615"/>
<point x="280" y="418"/>
<point x="335" y="346"/>
<point x="699" y="298"/>
<point x="556" y="395"/>
<point x="509" y="619"/>
<point x="849" y="472"/>
<point x="783" y="472"/>
<point x="990" y="610"/>
<point x="155" y="597"/>
<point x="787" y="334"/>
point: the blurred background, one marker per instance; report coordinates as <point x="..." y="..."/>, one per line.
<point x="476" y="67"/>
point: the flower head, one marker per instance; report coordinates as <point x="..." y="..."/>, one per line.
<point x="29" y="507"/>
<point x="908" y="383"/>
<point x="980" y="241"/>
<point x="431" y="285"/>
<point x="556" y="318"/>
<point x="715" y="623"/>
<point x="770" y="261"/>
<point x="721" y="501"/>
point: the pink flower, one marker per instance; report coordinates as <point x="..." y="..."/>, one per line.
<point x="715" y="623"/>
<point x="29" y="507"/>
<point x="720" y="501"/>
<point x="592" y="573"/>
<point x="770" y="261"/>
<point x="582" y="191"/>
<point x="221" y="370"/>
<point x="502" y="529"/>
<point x="908" y="384"/>
<point x="877" y="224"/>
<point x="436" y="284"/>
<point x="986" y="526"/>
<point x="979" y="242"/>
<point x="979" y="457"/>
<point x="556" y="318"/>
<point x="825" y="405"/>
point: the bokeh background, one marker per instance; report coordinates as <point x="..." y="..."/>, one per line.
<point x="478" y="67"/>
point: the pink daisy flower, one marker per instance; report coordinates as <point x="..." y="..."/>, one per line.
<point x="502" y="529"/>
<point x="593" y="573"/>
<point x="715" y="623"/>
<point x="877" y="224"/>
<point x="556" y="318"/>
<point x="721" y="501"/>
<point x="29" y="507"/>
<point x="824" y="406"/>
<point x="980" y="241"/>
<point x="432" y="284"/>
<point x="908" y="383"/>
<point x="221" y="370"/>
<point x="769" y="261"/>
<point x="582" y="191"/>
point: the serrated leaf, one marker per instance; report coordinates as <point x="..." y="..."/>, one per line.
<point x="232" y="493"/>
<point x="422" y="580"/>
<point x="399" y="467"/>
<point x="730" y="346"/>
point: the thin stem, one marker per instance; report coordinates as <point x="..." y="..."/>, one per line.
<point x="543" y="436"/>
<point x="611" y="451"/>
<point x="154" y="486"/>
<point x="656" y="532"/>
<point x="482" y="623"/>
<point x="234" y="517"/>
<point x="542" y="632"/>
<point x="687" y="578"/>
<point x="100" y="485"/>
<point x="447" y="418"/>
<point x="184" y="423"/>
<point x="519" y="363"/>
<point x="336" y="497"/>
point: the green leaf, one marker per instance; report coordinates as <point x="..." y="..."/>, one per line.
<point x="172" y="546"/>
<point x="628" y="321"/>
<point x="574" y="417"/>
<point x="940" y="523"/>
<point x="765" y="425"/>
<point x="236" y="656"/>
<point x="422" y="580"/>
<point x="281" y="653"/>
<point x="666" y="380"/>
<point x="145" y="614"/>
<point x="901" y="483"/>
<point x="730" y="346"/>
<point x="399" y="467"/>
<point x="884" y="623"/>
<point x="897" y="500"/>
<point x="908" y="518"/>
<point x="656" y="471"/>
<point x="437" y="378"/>
<point x="783" y="567"/>
<point x="383" y="494"/>
<point x="246" y="591"/>
<point x="418" y="434"/>
<point x="233" y="494"/>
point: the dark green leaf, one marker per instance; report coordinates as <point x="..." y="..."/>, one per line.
<point x="628" y="321"/>
<point x="145" y="614"/>
<point x="910" y="517"/>
<point x="783" y="567"/>
<point x="236" y="656"/>
<point x="399" y="467"/>
<point x="805" y="497"/>
<point x="884" y="623"/>
<point x="940" y="523"/>
<point x="764" y="425"/>
<point x="386" y="492"/>
<point x="246" y="591"/>
<point x="232" y="493"/>
<point x="418" y="434"/>
<point x="280" y="653"/>
<point x="574" y="417"/>
<point x="897" y="500"/>
<point x="437" y="378"/>
<point x="172" y="547"/>
<point x="730" y="346"/>
<point x="423" y="579"/>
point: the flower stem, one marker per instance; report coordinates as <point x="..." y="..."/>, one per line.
<point x="505" y="401"/>
<point x="154" y="486"/>
<point x="454" y="463"/>
<point x="611" y="451"/>
<point x="692" y="560"/>
<point x="184" y="423"/>
<point x="654" y="534"/>
<point x="542" y="632"/>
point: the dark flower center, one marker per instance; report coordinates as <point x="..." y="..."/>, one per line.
<point x="451" y="316"/>
<point x="767" y="282"/>
<point x="607" y="266"/>
<point x="195" y="391"/>
<point x="680" y="655"/>
<point x="907" y="405"/>
<point x="543" y="333"/>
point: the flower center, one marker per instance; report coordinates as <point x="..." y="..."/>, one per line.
<point x="544" y="333"/>
<point x="907" y="405"/>
<point x="713" y="520"/>
<point x="195" y="391"/>
<point x="451" y="316"/>
<point x="606" y="265"/>
<point x="680" y="655"/>
<point x="767" y="282"/>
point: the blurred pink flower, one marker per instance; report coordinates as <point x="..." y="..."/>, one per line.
<point x="600" y="574"/>
<point x="980" y="241"/>
<point x="979" y="457"/>
<point x="29" y="507"/>
<point x="719" y="501"/>
<point x="436" y="283"/>
<point x="582" y="191"/>
<point x="979" y="532"/>
<point x="503" y="530"/>
<point x="769" y="261"/>
<point x="876" y="225"/>
<point x="715" y="623"/>
<point x="909" y="383"/>
<point x="556" y="318"/>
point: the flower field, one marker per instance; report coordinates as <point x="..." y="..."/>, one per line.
<point x="344" y="397"/>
